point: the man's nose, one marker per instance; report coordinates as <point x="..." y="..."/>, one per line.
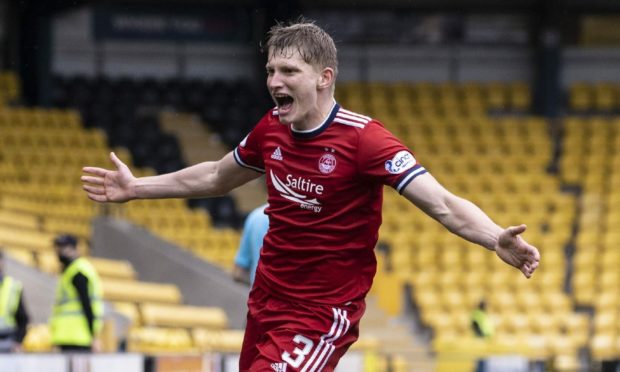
<point x="274" y="80"/>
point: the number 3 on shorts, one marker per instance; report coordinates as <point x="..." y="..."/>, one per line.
<point x="301" y="353"/>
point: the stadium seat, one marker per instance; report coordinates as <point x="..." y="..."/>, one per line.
<point x="604" y="347"/>
<point x="134" y="291"/>
<point x="130" y="311"/>
<point x="26" y="239"/>
<point x="225" y="341"/>
<point x="116" y="269"/>
<point x="160" y="340"/>
<point x="38" y="339"/>
<point x="182" y="316"/>
<point x="580" y="97"/>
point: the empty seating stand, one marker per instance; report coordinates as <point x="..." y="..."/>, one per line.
<point x="499" y="162"/>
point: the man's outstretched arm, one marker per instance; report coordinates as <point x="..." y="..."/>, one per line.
<point x="207" y="179"/>
<point x="466" y="220"/>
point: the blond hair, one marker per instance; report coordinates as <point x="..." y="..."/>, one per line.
<point x="314" y="45"/>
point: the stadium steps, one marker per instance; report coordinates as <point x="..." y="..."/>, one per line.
<point x="199" y="144"/>
<point x="395" y="338"/>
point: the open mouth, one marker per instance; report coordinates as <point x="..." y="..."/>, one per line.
<point x="284" y="101"/>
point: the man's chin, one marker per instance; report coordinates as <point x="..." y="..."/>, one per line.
<point x="285" y="119"/>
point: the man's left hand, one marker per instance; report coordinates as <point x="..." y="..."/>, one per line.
<point x="515" y="251"/>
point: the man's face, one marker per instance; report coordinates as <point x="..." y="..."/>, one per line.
<point x="64" y="251"/>
<point x="293" y="85"/>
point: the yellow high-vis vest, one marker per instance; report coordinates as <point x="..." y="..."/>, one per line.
<point x="484" y="322"/>
<point x="10" y="292"/>
<point x="68" y="325"/>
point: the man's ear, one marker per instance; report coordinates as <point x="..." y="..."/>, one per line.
<point x="326" y="79"/>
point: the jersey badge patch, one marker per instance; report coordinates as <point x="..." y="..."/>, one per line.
<point x="402" y="161"/>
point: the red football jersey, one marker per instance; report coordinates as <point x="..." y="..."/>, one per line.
<point x="325" y="190"/>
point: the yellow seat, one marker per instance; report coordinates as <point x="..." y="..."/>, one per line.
<point x="580" y="98"/>
<point x="605" y="322"/>
<point x="134" y="291"/>
<point x="25" y="238"/>
<point x="450" y="281"/>
<point x="567" y="362"/>
<point x="557" y="302"/>
<point x="608" y="280"/>
<point x="159" y="340"/>
<point x="444" y="325"/>
<point x="183" y="316"/>
<point x="223" y="341"/>
<point x="48" y="262"/>
<point x="130" y="311"/>
<point x="604" y="99"/>
<point x="109" y="268"/>
<point x="496" y="96"/>
<point x="528" y="300"/>
<point x="19" y="220"/>
<point x="518" y="323"/>
<point x="38" y="339"/>
<point x="19" y="255"/>
<point x="545" y="323"/>
<point x="584" y="289"/>
<point x="538" y="346"/>
<point x="453" y="299"/>
<point x="520" y="96"/>
<point x="606" y="301"/>
<point x="604" y="347"/>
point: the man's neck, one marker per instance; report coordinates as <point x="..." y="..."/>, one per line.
<point x="69" y="262"/>
<point x="318" y="115"/>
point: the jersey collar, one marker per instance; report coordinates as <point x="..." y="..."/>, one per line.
<point x="305" y="134"/>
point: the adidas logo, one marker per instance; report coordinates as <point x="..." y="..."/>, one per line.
<point x="279" y="367"/>
<point x="277" y="154"/>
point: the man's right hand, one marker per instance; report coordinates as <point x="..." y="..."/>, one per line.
<point x="96" y="346"/>
<point x="103" y="185"/>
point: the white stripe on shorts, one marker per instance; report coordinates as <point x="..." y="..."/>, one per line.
<point x="325" y="347"/>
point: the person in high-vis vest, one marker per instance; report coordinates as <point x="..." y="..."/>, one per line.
<point x="481" y="323"/>
<point x="78" y="309"/>
<point x="484" y="328"/>
<point x="13" y="315"/>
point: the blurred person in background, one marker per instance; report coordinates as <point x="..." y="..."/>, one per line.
<point x="483" y="327"/>
<point x="481" y="322"/>
<point x="254" y="229"/>
<point x="13" y="314"/>
<point x="325" y="170"/>
<point x="78" y="310"/>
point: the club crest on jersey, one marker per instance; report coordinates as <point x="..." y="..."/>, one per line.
<point x="327" y="163"/>
<point x="402" y="161"/>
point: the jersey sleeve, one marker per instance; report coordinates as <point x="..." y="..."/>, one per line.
<point x="248" y="153"/>
<point x="384" y="158"/>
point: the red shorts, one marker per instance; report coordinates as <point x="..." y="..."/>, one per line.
<point x="285" y="336"/>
